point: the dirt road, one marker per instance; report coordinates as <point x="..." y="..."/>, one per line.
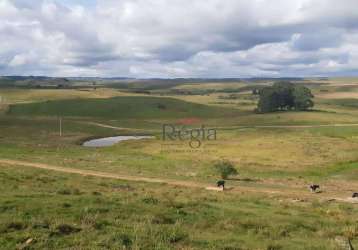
<point x="243" y="126"/>
<point x="292" y="193"/>
<point x="100" y="174"/>
<point x="294" y="126"/>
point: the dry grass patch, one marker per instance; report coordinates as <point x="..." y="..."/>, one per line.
<point x="338" y="95"/>
<point x="38" y="95"/>
<point x="214" y="86"/>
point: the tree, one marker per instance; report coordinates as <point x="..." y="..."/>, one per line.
<point x="268" y="100"/>
<point x="283" y="92"/>
<point x="302" y="98"/>
<point x="225" y="169"/>
<point x="284" y="96"/>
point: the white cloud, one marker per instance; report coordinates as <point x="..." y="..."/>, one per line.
<point x="173" y="38"/>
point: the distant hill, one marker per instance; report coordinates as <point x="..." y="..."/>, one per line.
<point x="121" y="107"/>
<point x="33" y="81"/>
<point x="131" y="84"/>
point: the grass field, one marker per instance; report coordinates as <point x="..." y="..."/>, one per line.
<point x="269" y="207"/>
<point x="120" y="107"/>
<point x="64" y="211"/>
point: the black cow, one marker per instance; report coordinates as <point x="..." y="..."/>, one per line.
<point x="355" y="195"/>
<point x="314" y="187"/>
<point x="221" y="183"/>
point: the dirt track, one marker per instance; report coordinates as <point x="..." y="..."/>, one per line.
<point x="244" y="126"/>
<point x="105" y="125"/>
<point x="100" y="174"/>
<point x="293" y="193"/>
<point x="294" y="126"/>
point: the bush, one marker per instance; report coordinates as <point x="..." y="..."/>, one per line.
<point x="225" y="169"/>
<point x="125" y="240"/>
<point x="163" y="219"/>
<point x="65" y="229"/>
<point x="161" y="106"/>
<point x="14" y="226"/>
<point x="41" y="225"/>
<point x="64" y="192"/>
<point x="69" y="191"/>
<point x="150" y="200"/>
<point x="99" y="225"/>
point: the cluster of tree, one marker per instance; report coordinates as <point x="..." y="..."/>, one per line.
<point x="284" y="96"/>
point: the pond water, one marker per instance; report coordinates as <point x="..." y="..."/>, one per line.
<point x="110" y="141"/>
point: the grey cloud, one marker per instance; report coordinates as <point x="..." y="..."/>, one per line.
<point x="172" y="38"/>
<point x="316" y="41"/>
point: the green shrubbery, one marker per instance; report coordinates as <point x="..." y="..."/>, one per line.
<point x="225" y="169"/>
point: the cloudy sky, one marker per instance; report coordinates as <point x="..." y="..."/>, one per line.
<point x="178" y="38"/>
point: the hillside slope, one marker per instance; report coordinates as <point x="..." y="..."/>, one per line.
<point x="120" y="107"/>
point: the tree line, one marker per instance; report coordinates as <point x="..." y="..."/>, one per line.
<point x="284" y="96"/>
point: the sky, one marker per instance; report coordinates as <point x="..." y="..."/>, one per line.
<point x="177" y="38"/>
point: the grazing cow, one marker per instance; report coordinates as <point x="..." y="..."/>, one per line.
<point x="355" y="195"/>
<point x="221" y="183"/>
<point x="314" y="188"/>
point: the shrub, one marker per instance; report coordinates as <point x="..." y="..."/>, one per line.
<point x="65" y="229"/>
<point x="126" y="240"/>
<point x="274" y="247"/>
<point x="150" y="200"/>
<point x="41" y="225"/>
<point x="64" y="192"/>
<point x="163" y="219"/>
<point x="225" y="169"/>
<point x="69" y="191"/>
<point x="161" y="106"/>
<point x="96" y="193"/>
<point x="99" y="225"/>
<point x="66" y="205"/>
<point x="15" y="226"/>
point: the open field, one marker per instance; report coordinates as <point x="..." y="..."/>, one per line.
<point x="268" y="207"/>
<point x="214" y="86"/>
<point x="31" y="95"/>
<point x="120" y="107"/>
<point x="66" y="211"/>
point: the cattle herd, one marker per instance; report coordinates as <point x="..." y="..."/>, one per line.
<point x="313" y="187"/>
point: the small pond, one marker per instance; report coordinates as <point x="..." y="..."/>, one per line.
<point x="110" y="141"/>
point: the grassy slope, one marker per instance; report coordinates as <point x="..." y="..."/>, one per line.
<point x="255" y="151"/>
<point x="120" y="107"/>
<point x="169" y="217"/>
<point x="108" y="214"/>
